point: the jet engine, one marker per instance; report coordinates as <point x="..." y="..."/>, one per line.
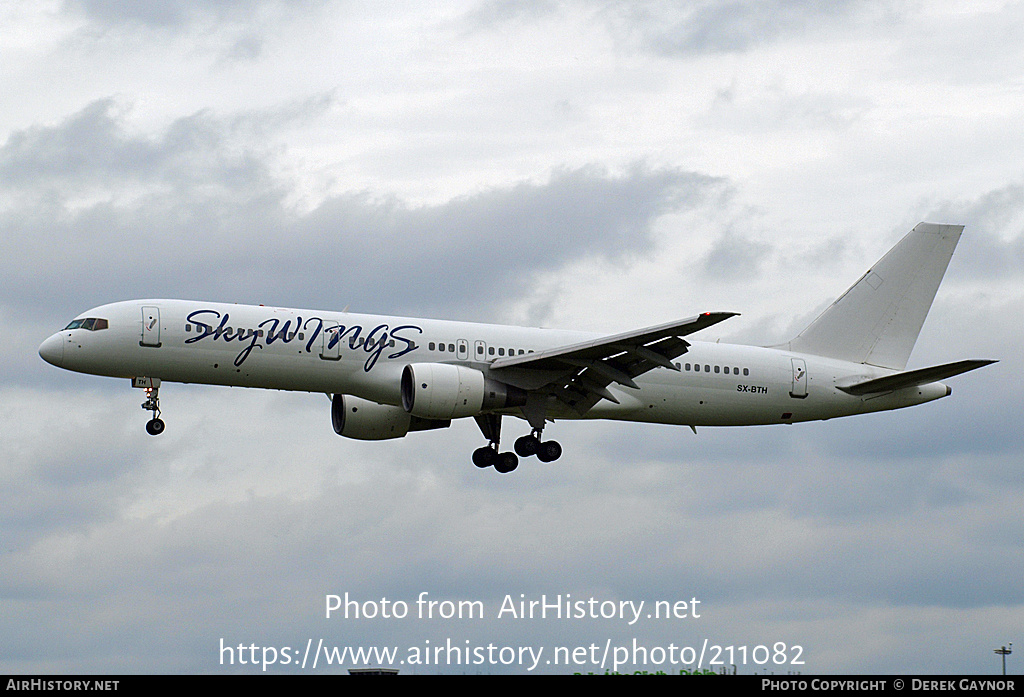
<point x="446" y="391"/>
<point x="361" y="419"/>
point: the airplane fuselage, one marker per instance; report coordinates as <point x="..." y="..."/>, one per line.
<point x="364" y="355"/>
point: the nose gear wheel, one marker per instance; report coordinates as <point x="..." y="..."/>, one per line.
<point x="154" y="426"/>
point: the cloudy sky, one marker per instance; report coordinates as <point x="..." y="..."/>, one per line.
<point x="580" y="164"/>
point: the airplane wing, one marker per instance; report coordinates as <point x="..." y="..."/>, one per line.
<point x="913" y="378"/>
<point x="578" y="375"/>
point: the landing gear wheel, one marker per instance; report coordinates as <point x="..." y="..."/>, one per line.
<point x="527" y="445"/>
<point x="506" y="462"/>
<point x="484" y="457"/>
<point x="489" y="455"/>
<point x="549" y="451"/>
<point x="155" y="427"/>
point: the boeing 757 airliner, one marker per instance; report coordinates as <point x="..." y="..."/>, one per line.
<point x="387" y="376"/>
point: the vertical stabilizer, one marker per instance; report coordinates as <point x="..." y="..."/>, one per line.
<point x="878" y="319"/>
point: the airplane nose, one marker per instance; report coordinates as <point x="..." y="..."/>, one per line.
<point x="52" y="350"/>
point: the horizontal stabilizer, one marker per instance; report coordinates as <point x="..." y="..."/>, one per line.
<point x="912" y="378"/>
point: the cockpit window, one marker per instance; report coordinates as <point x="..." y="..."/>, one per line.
<point x="93" y="324"/>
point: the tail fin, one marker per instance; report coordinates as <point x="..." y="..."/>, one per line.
<point x="878" y="319"/>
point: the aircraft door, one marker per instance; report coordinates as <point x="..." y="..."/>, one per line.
<point x="480" y="351"/>
<point x="462" y="350"/>
<point x="331" y="349"/>
<point x="150" y="327"/>
<point x="799" y="379"/>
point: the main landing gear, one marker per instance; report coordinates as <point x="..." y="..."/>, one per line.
<point x="487" y="456"/>
<point x="546" y="451"/>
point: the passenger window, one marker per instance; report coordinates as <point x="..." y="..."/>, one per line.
<point x="716" y="369"/>
<point x="746" y="371"/>
<point x="451" y="347"/>
<point x="501" y="352"/>
<point x="431" y="345"/>
<point x="490" y="351"/>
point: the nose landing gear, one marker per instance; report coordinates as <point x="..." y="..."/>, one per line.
<point x="154" y="426"/>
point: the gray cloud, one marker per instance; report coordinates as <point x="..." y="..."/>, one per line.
<point x="204" y="216"/>
<point x="172" y="14"/>
<point x="491" y="243"/>
<point x="994" y="230"/>
<point x="733" y="257"/>
<point x="675" y="28"/>
<point x="731" y="27"/>
<point x="496" y="12"/>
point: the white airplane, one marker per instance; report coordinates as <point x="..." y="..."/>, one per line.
<point x="387" y="376"/>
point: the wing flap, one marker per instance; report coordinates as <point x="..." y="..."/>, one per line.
<point x="659" y="338"/>
<point x="581" y="373"/>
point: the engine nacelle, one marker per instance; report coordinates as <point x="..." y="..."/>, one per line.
<point x="446" y="391"/>
<point x="361" y="419"/>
